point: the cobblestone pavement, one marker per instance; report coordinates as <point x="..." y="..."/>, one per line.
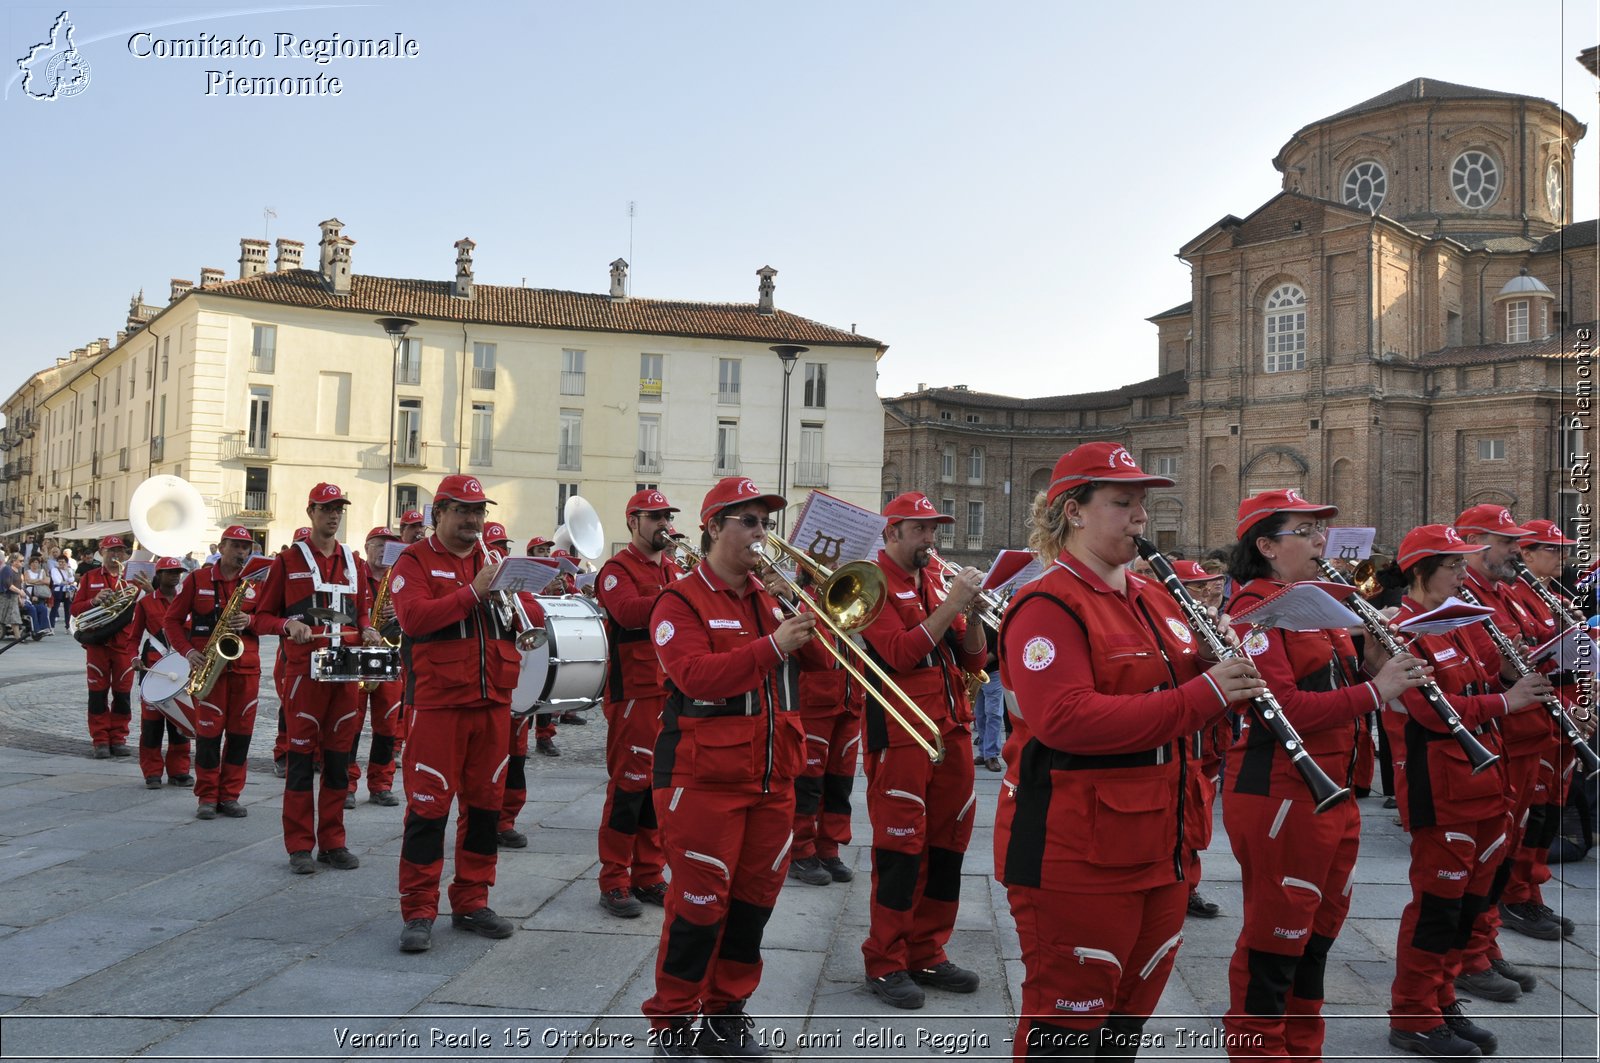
<point x="130" y="930"/>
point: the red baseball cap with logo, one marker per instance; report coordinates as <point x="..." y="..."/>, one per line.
<point x="649" y="501"/>
<point x="1259" y="507"/>
<point x="300" y="534"/>
<point x="460" y="488"/>
<point x="239" y="533"/>
<point x="1432" y="539"/>
<point x="914" y="505"/>
<point x="1096" y="462"/>
<point x="495" y="532"/>
<point x="113" y="542"/>
<point x="327" y="495"/>
<point x="380" y="532"/>
<point x="1546" y="533"/>
<point x="735" y="491"/>
<point x="1492" y="519"/>
<point x="168" y="564"/>
<point x="410" y="516"/>
<point x="1192" y="572"/>
<point x="537" y="540"/>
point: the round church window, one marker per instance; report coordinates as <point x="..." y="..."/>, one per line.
<point x="1552" y="188"/>
<point x="1365" y="186"/>
<point x="1475" y="179"/>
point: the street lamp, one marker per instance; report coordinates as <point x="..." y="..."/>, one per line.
<point x="788" y="353"/>
<point x="77" y="500"/>
<point x="395" y="328"/>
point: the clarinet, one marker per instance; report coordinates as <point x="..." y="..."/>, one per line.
<point x="1552" y="704"/>
<point x="1558" y="608"/>
<point x="1324" y="791"/>
<point x="1479" y="757"/>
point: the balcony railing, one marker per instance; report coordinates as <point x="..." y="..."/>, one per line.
<point x="572" y="383"/>
<point x="158" y="447"/>
<point x="238" y="446"/>
<point x="483" y="378"/>
<point x="647" y="461"/>
<point x="974" y="542"/>
<point x="727" y="465"/>
<point x="26" y="465"/>
<point x="408" y="372"/>
<point x="257" y="504"/>
<point x="569" y="456"/>
<point x="411" y="453"/>
<point x="94" y="465"/>
<point x="811" y="474"/>
<point x="728" y="394"/>
<point x="122" y="460"/>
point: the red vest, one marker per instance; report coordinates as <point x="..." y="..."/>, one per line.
<point x="148" y="618"/>
<point x="626" y="588"/>
<point x="192" y="616"/>
<point x="456" y="653"/>
<point x="1524" y="733"/>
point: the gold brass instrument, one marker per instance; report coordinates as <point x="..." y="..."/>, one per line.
<point x="508" y="607"/>
<point x="1365" y="577"/>
<point x="848" y="599"/>
<point x="683" y="555"/>
<point x="379" y="600"/>
<point x="994" y="604"/>
<point x="100" y="624"/>
<point x="224" y="646"/>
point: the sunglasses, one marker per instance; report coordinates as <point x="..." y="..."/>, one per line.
<point x="751" y="521"/>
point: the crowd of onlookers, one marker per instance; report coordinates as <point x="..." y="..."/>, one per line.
<point x="37" y="582"/>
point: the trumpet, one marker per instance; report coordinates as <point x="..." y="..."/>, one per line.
<point x="848" y="599"/>
<point x="683" y="555"/>
<point x="508" y="608"/>
<point x="994" y="604"/>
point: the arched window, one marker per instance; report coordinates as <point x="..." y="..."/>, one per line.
<point x="1286" y="329"/>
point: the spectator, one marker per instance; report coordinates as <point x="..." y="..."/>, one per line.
<point x="63" y="583"/>
<point x="87" y="565"/>
<point x="37" y="595"/>
<point x="10" y="597"/>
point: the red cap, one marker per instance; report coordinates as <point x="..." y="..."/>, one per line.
<point x="1547" y="533"/>
<point x="239" y="533"/>
<point x="1192" y="572"/>
<point x="1432" y="539"/>
<point x="537" y="540"/>
<point x="410" y="516"/>
<point x="1094" y="462"/>
<point x="112" y="542"/>
<point x="459" y="488"/>
<point x="495" y="532"/>
<point x="168" y="564"/>
<point x="300" y="534"/>
<point x="734" y="491"/>
<point x="380" y="532"/>
<point x="1259" y="507"/>
<point x="1493" y="519"/>
<point x="914" y="505"/>
<point x="327" y="495"/>
<point x="649" y="501"/>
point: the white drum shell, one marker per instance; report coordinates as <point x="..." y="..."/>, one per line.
<point x="568" y="672"/>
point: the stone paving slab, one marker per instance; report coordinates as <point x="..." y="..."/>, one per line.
<point x="58" y="953"/>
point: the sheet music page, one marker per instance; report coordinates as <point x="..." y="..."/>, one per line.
<point x="517" y="574"/>
<point x="835" y="531"/>
<point x="1012" y="568"/>
<point x="139" y="569"/>
<point x="1349" y="544"/>
<point x="1452" y="614"/>
<point x="392" y="549"/>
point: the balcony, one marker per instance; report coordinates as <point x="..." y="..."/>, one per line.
<point x="411" y="454"/>
<point x="974" y="542"/>
<point x="158" y="447"/>
<point x="728" y="394"/>
<point x="727" y="465"/>
<point x="241" y="446"/>
<point x="26" y="466"/>
<point x="811" y="474"/>
<point x="647" y="461"/>
<point x="122" y="460"/>
<point x="251" y="507"/>
<point x="572" y="383"/>
<point x="94" y="465"/>
<point x="569" y="456"/>
<point x="484" y="379"/>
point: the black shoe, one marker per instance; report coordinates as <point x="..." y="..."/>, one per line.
<point x="574" y="718"/>
<point x="656" y="894"/>
<point x="838" y="869"/>
<point x="731" y="1036"/>
<point x="180" y="780"/>
<point x="301" y="863"/>
<point x="350" y="799"/>
<point x="680" y="1040"/>
<point x="205" y="810"/>
<point x="809" y="869"/>
<point x="102" y="752"/>
<point x="547" y="746"/>
<point x="280" y="767"/>
<point x="1488" y="984"/>
<point x="152" y="782"/>
<point x="898" y="990"/>
<point x="1468" y="1030"/>
<point x="417" y="936"/>
<point x="995" y="764"/>
<point x="1510" y="971"/>
<point x="621" y="903"/>
<point x="485" y="922"/>
<point x="341" y="859"/>
<point x="1567" y="925"/>
<point x="1527" y="919"/>
<point x="946" y="975"/>
<point x="1202" y="908"/>
<point x="1391" y="802"/>
<point x="511" y="838"/>
<point x="120" y="750"/>
<point x="386" y="798"/>
<point x="1441" y="1042"/>
<point x="232" y="809"/>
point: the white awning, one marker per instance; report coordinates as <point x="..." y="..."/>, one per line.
<point x="98" y="530"/>
<point x="26" y="528"/>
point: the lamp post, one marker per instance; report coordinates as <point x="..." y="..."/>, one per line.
<point x="395" y="328"/>
<point x="77" y="500"/>
<point x="788" y="353"/>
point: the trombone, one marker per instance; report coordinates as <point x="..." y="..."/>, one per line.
<point x="994" y="604"/>
<point x="848" y="599"/>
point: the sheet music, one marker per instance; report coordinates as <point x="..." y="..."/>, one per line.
<point x="1452" y="614"/>
<point x="517" y="574"/>
<point x="835" y="531"/>
<point x="1572" y="650"/>
<point x="1012" y="568"/>
<point x="139" y="570"/>
<point x="585" y="579"/>
<point x="1300" y="607"/>
<point x="1349" y="544"/>
<point x="392" y="549"/>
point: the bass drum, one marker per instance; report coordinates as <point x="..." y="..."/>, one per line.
<point x="568" y="672"/>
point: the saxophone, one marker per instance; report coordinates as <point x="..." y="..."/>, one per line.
<point x="379" y="600"/>
<point x="224" y="646"/>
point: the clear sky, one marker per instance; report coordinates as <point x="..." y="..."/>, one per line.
<point x="995" y="190"/>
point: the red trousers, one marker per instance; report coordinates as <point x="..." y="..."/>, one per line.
<point x="922" y="817"/>
<point x="153" y="726"/>
<point x="515" y="792"/>
<point x="452" y="755"/>
<point x="729" y="853"/>
<point x="1297" y="869"/>
<point x="226" y="715"/>
<point x="630" y="839"/>
<point x="110" y="668"/>
<point x="1452" y="868"/>
<point x="1540" y="824"/>
<point x="1523" y="791"/>
<point x="321" y="719"/>
<point x="822" y="792"/>
<point x="1094" y="964"/>
<point x="388" y="732"/>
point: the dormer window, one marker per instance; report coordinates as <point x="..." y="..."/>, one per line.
<point x="1517" y="321"/>
<point x="1365" y="186"/>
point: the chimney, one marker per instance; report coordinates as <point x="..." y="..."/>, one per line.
<point x="619" y="280"/>
<point x="289" y="254"/>
<point x="122" y="335"/>
<point x="330" y="236"/>
<point x="180" y="288"/>
<point x="252" y="257"/>
<point x="463" y="285"/>
<point x="764" y="306"/>
<point x="211" y="276"/>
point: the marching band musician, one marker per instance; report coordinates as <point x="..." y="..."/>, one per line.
<point x="319" y="573"/>
<point x="628" y="584"/>
<point x="1296" y="864"/>
<point x="724" y="766"/>
<point x="148" y="620"/>
<point x="921" y="813"/>
<point x="461" y="665"/>
<point x="515" y="793"/>
<point x="544" y="723"/>
<point x="280" y="744"/>
<point x="383" y="700"/>
<point x="1458" y="821"/>
<point x="411" y="526"/>
<point x="110" y="664"/>
<point x="1206" y="750"/>
<point x="226" y="719"/>
<point x="1109" y="686"/>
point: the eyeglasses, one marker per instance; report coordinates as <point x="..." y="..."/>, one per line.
<point x="1456" y="565"/>
<point x="1309" y="531"/>
<point x="471" y="511"/>
<point x="751" y="521"/>
<point x="1551" y="547"/>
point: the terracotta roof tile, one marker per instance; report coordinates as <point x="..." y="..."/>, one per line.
<point x="1558" y="346"/>
<point x="1578" y="234"/>
<point x="1168" y="384"/>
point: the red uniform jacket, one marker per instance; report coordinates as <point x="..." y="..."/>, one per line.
<point x="291" y="589"/>
<point x="830" y="690"/>
<point x="1524" y="733"/>
<point x="930" y="672"/>
<point x="456" y="653"/>
<point x="1109" y="686"/>
<point x="627" y="587"/>
<point x="124" y="642"/>
<point x="148" y="618"/>
<point x="192" y="616"/>
<point x="1316" y="677"/>
<point x="728" y="722"/>
<point x="1437" y="786"/>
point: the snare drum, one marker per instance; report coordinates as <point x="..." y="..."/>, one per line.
<point x="567" y="673"/>
<point x="164" y="686"/>
<point x="355" y="664"/>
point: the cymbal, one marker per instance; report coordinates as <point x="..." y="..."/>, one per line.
<point x="318" y="615"/>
